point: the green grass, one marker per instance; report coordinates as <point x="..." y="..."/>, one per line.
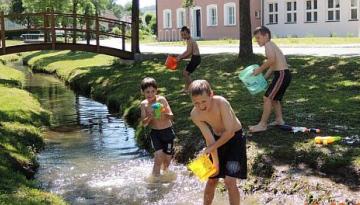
<point x="279" y="41"/>
<point x="324" y="93"/>
<point x="21" y="117"/>
<point x="10" y="76"/>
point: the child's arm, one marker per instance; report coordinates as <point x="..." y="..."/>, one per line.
<point x="227" y="118"/>
<point x="268" y="73"/>
<point x="271" y="59"/>
<point x="209" y="138"/>
<point x="187" y="53"/>
<point x="168" y="112"/>
<point x="145" y="119"/>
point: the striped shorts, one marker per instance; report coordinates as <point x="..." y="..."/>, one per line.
<point x="279" y="84"/>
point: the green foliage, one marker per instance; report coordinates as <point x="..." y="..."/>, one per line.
<point x="188" y="3"/>
<point x="148" y="18"/>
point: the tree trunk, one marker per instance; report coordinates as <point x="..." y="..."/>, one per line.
<point x="135" y="26"/>
<point x="245" y="29"/>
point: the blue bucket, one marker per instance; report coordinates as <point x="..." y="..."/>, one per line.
<point x="255" y="84"/>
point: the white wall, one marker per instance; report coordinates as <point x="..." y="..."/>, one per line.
<point x="322" y="28"/>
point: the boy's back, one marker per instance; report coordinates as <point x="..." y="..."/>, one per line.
<point x="273" y="51"/>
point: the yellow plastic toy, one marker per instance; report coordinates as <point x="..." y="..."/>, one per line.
<point x="202" y="167"/>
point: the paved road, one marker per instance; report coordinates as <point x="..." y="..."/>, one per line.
<point x="318" y="50"/>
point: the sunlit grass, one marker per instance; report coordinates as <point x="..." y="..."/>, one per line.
<point x="21" y="117"/>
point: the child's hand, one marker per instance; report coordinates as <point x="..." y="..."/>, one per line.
<point x="217" y="170"/>
<point x="256" y="71"/>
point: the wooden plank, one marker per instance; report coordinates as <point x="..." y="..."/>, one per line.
<point x="53" y="34"/>
<point x="87" y="20"/>
<point x="3" y="40"/>
<point x="69" y="46"/>
<point x="97" y="32"/>
<point x="123" y="36"/>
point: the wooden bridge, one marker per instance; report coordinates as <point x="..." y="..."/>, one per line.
<point x="77" y="32"/>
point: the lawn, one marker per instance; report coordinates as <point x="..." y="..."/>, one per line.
<point x="21" y="118"/>
<point x="324" y="94"/>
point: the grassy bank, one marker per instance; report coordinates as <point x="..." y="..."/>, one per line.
<point x="324" y="93"/>
<point x="21" y="117"/>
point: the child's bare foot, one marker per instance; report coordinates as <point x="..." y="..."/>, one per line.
<point x="277" y="123"/>
<point x="257" y="128"/>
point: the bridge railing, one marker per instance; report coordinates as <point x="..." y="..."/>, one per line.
<point x="71" y="26"/>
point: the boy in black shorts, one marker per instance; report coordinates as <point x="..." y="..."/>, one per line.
<point x="192" y="50"/>
<point x="225" y="142"/>
<point x="162" y="134"/>
<point x="276" y="62"/>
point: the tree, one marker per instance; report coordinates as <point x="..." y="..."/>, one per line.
<point x="148" y="18"/>
<point x="188" y="4"/>
<point x="245" y="29"/>
<point x="135" y="26"/>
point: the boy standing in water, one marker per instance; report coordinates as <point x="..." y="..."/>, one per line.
<point x="276" y="62"/>
<point x="162" y="134"/>
<point x="225" y="142"/>
<point x="192" y="50"/>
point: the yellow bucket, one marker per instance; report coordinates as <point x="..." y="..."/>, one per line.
<point x="202" y="167"/>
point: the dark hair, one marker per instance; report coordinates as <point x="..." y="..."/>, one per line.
<point x="185" y="29"/>
<point x="198" y="87"/>
<point x="262" y="30"/>
<point x="148" y="82"/>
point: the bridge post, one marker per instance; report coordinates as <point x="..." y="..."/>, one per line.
<point x="46" y="26"/>
<point x="123" y="36"/>
<point x="87" y="29"/>
<point x="74" y="24"/>
<point x="97" y="32"/>
<point x="53" y="33"/>
<point x="2" y="22"/>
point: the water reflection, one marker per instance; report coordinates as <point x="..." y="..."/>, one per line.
<point x="91" y="156"/>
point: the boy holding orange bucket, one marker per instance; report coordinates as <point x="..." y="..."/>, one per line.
<point x="225" y="141"/>
<point x="192" y="50"/>
<point x="162" y="134"/>
<point x="276" y="62"/>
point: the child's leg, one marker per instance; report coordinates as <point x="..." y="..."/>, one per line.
<point x="262" y="125"/>
<point x="158" y="159"/>
<point x="234" y="194"/>
<point x="210" y="191"/>
<point x="166" y="161"/>
<point x="187" y="78"/>
<point x="278" y="112"/>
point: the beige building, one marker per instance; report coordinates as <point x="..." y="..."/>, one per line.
<point x="208" y="19"/>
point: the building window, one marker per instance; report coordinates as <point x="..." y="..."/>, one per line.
<point x="257" y="14"/>
<point x="167" y="18"/>
<point x="291" y="12"/>
<point x="180" y="17"/>
<point x="333" y="10"/>
<point x="212" y="15"/>
<point x="311" y="12"/>
<point x="229" y="14"/>
<point x="354" y="10"/>
<point x="273" y="13"/>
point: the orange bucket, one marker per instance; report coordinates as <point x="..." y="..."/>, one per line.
<point x="171" y="63"/>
